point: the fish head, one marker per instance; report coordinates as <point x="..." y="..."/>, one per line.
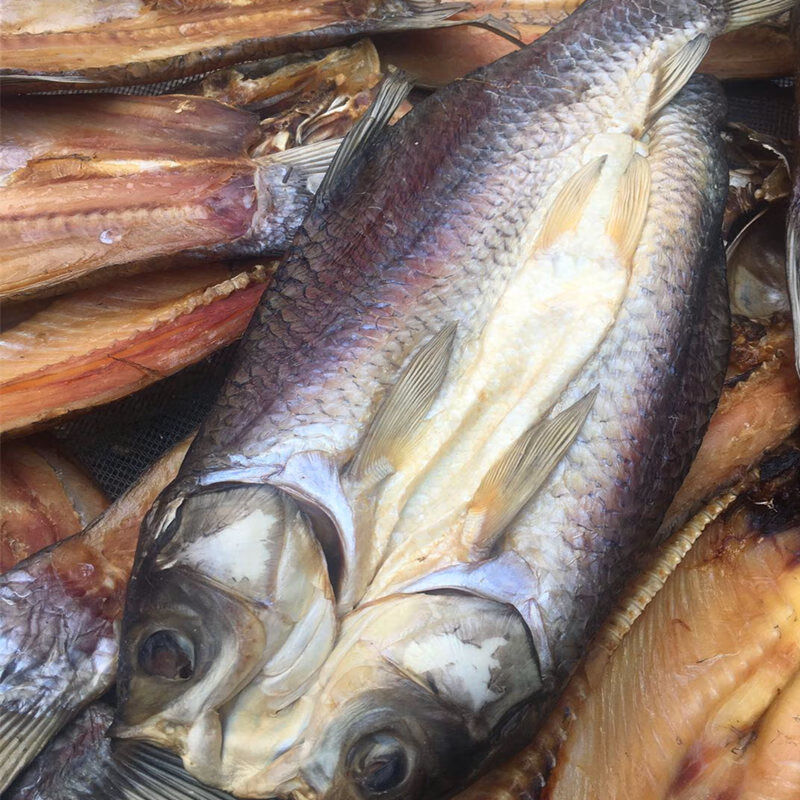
<point x="420" y="693"/>
<point x="233" y="594"/>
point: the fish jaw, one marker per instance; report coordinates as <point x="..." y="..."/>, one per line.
<point x="233" y="624"/>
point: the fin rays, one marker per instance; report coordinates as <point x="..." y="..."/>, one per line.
<point x="677" y="70"/>
<point x="571" y="201"/>
<point x="742" y="13"/>
<point x="629" y="209"/>
<point x="518" y="475"/>
<point x="143" y="772"/>
<point x="392" y="92"/>
<point x="405" y="406"/>
<point x="22" y="736"/>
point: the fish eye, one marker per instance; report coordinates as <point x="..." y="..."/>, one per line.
<point x="379" y="764"/>
<point x="167" y="654"/>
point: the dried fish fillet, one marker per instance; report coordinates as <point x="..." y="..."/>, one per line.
<point x="125" y="42"/>
<point x="44" y="497"/>
<point x="108" y="341"/>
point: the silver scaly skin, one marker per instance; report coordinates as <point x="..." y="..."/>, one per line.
<point x="525" y="270"/>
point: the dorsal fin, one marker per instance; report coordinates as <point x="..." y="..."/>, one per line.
<point x="515" y="478"/>
<point x="392" y="92"/>
<point x="629" y="208"/>
<point x="676" y="71"/>
<point x="570" y="202"/>
<point x="395" y="424"/>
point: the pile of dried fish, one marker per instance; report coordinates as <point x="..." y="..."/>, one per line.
<point x="469" y="403"/>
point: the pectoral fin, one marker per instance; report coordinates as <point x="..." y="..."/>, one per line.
<point x="520" y="473"/>
<point x="139" y="771"/>
<point x="677" y="70"/>
<point x="397" y="420"/>
<point x="630" y="208"/>
<point x="571" y="201"/>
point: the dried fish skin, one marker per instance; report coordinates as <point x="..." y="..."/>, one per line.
<point x="143" y="42"/>
<point x="44" y="498"/>
<point x="111" y="340"/>
<point x="59" y="612"/>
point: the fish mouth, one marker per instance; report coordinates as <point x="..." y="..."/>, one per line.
<point x="141" y="771"/>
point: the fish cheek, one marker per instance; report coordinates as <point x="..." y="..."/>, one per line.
<point x="188" y="649"/>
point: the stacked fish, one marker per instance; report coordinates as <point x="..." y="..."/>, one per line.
<point x="490" y="326"/>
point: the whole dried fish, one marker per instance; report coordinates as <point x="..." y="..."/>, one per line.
<point x="59" y="612"/>
<point x="111" y="340"/>
<point x="397" y="385"/>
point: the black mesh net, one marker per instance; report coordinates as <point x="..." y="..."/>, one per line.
<point x="117" y="442"/>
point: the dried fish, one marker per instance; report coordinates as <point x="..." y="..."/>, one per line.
<point x="108" y="341"/>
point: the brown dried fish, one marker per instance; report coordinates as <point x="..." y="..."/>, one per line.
<point x="108" y="341"/>
<point x="83" y="44"/>
<point x="95" y="181"/>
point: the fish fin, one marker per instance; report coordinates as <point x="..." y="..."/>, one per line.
<point x="571" y="200"/>
<point x="392" y="92"/>
<point x="515" y="478"/>
<point x="312" y="479"/>
<point x="139" y="771"/>
<point x="742" y="13"/>
<point x="793" y="279"/>
<point x="23" y="735"/>
<point x="676" y="71"/>
<point x="629" y="208"/>
<point x="406" y="404"/>
<point x="311" y="158"/>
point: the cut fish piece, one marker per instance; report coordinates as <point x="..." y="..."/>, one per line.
<point x="44" y="497"/>
<point x="106" y="342"/>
